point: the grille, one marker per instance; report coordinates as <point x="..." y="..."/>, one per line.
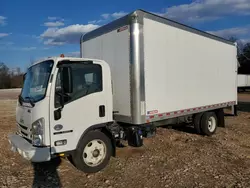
<point x="24" y="132"/>
<point x="29" y="140"/>
<point x="23" y="127"/>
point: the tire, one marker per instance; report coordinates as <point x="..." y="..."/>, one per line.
<point x="197" y="123"/>
<point x="70" y="159"/>
<point x="209" y="123"/>
<point x="93" y="153"/>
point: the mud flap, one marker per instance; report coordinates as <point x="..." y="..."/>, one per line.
<point x="234" y="110"/>
<point x="220" y="116"/>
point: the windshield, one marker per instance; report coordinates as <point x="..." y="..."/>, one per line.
<point x="36" y="81"/>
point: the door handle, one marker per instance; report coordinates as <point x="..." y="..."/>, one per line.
<point x="101" y="111"/>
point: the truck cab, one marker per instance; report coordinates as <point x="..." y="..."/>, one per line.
<point x="62" y="103"/>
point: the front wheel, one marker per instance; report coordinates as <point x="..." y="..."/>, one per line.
<point x="209" y="123"/>
<point x="93" y="153"/>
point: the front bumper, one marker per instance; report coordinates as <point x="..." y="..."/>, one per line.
<point x="27" y="150"/>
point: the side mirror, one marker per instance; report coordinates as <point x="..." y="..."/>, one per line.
<point x="66" y="79"/>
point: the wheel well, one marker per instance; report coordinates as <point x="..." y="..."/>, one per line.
<point x="113" y="141"/>
<point x="103" y="128"/>
<point x="220" y="116"/>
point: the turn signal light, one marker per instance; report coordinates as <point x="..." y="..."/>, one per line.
<point x="60" y="142"/>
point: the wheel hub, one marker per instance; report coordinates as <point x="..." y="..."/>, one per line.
<point x="211" y="124"/>
<point x="96" y="153"/>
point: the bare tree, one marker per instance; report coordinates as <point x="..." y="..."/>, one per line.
<point x="240" y="44"/>
<point x="4" y="76"/>
<point x="10" y="78"/>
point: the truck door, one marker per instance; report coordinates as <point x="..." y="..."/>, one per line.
<point x="84" y="107"/>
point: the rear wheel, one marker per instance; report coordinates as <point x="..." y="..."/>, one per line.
<point x="93" y="153"/>
<point x="197" y="122"/>
<point x="209" y="123"/>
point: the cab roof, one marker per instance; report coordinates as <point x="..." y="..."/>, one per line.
<point x="56" y="59"/>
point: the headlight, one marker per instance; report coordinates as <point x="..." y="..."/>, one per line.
<point x="38" y="132"/>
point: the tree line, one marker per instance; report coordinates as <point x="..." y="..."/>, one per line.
<point x="243" y="55"/>
<point x="244" y="59"/>
<point x="10" y="78"/>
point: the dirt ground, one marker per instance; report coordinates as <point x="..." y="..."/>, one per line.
<point x="173" y="158"/>
<point x="9" y="94"/>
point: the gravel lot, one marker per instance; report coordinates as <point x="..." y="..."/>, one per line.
<point x="174" y="158"/>
<point x="9" y="94"/>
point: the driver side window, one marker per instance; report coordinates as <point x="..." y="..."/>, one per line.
<point x="86" y="79"/>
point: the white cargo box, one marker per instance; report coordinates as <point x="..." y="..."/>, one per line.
<point x="243" y="81"/>
<point x="162" y="69"/>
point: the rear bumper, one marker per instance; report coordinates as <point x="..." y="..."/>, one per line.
<point x="27" y="150"/>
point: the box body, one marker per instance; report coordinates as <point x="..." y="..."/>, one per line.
<point x="162" y="69"/>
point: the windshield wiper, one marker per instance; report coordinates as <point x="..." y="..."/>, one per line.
<point x="31" y="101"/>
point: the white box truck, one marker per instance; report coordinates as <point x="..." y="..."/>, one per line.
<point x="135" y="73"/>
<point x="243" y="82"/>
